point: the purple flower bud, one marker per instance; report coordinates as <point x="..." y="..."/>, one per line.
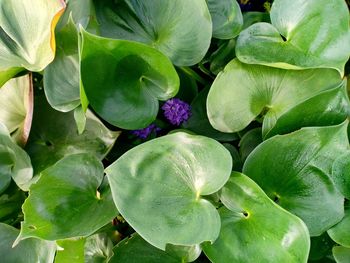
<point x="145" y="132"/>
<point x="176" y="111"/>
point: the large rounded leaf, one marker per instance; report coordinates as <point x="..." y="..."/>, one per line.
<point x="303" y="34"/>
<point x="30" y="250"/>
<point x="164" y="180"/>
<point x="241" y="92"/>
<point x="181" y="29"/>
<point x="255" y="229"/>
<point x="227" y="18"/>
<point x="14" y="162"/>
<point x="16" y="112"/>
<point x="27" y="34"/>
<point x="55" y="135"/>
<point x="295" y="170"/>
<point x="124" y="80"/>
<point x="340" y="232"/>
<point x="69" y="200"/>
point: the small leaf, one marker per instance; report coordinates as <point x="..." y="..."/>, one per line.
<point x="16" y="100"/>
<point x="340" y="232"/>
<point x="14" y="162"/>
<point x="131" y="78"/>
<point x="164" y="180"/>
<point x="341" y="254"/>
<point x="303" y="34"/>
<point x="98" y="249"/>
<point x="67" y="202"/>
<point x="30" y="250"/>
<point x="255" y="229"/>
<point x="227" y="18"/>
<point x="295" y="170"/>
<point x="169" y="26"/>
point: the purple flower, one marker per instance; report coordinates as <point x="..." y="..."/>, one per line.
<point x="176" y="111"/>
<point x="145" y="132"/>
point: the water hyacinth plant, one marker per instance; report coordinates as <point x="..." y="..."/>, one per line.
<point x="171" y="131"/>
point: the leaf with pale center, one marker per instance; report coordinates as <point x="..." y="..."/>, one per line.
<point x="164" y="180"/>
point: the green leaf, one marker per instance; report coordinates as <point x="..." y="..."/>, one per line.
<point x="30" y="250"/>
<point x="72" y="250"/>
<point x="341" y="174"/>
<point x="164" y="180"/>
<point x="16" y="112"/>
<point x="11" y="204"/>
<point x="341" y="254"/>
<point x="79" y="10"/>
<point x="27" y="35"/>
<point x="131" y="78"/>
<point x="14" y="162"/>
<point x="62" y="76"/>
<point x="98" y="249"/>
<point x="329" y="107"/>
<point x="169" y="26"/>
<point x="303" y="34"/>
<point x="242" y="92"/>
<point x="255" y="229"/>
<point x="199" y="123"/>
<point x="136" y="250"/>
<point x="67" y="201"/>
<point x="340" y="232"/>
<point x="295" y="170"/>
<point x="55" y="135"/>
<point x="227" y="18"/>
<point x="222" y="56"/>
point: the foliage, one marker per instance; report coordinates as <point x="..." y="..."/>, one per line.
<point x="174" y="131"/>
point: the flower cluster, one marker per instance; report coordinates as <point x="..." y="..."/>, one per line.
<point x="145" y="132"/>
<point x="176" y="111"/>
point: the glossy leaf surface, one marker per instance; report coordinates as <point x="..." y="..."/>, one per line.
<point x="302" y="34"/>
<point x="295" y="170"/>
<point x="68" y="192"/>
<point x="124" y="80"/>
<point x="168" y="176"/>
<point x="252" y="224"/>
<point x="242" y="92"/>
<point x="169" y="26"/>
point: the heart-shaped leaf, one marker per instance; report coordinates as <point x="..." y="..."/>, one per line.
<point x="241" y="92"/>
<point x="14" y="162"/>
<point x="341" y="174"/>
<point x="30" y="250"/>
<point x="27" y="35"/>
<point x="55" y="135"/>
<point x="340" y="232"/>
<point x="303" y="34"/>
<point x="329" y="107"/>
<point x="227" y="18"/>
<point x="70" y="192"/>
<point x="164" y="180"/>
<point x="16" y="112"/>
<point x="169" y="26"/>
<point x="255" y="229"/>
<point x="62" y="76"/>
<point x="295" y="170"/>
<point x="341" y="254"/>
<point x="124" y="80"/>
